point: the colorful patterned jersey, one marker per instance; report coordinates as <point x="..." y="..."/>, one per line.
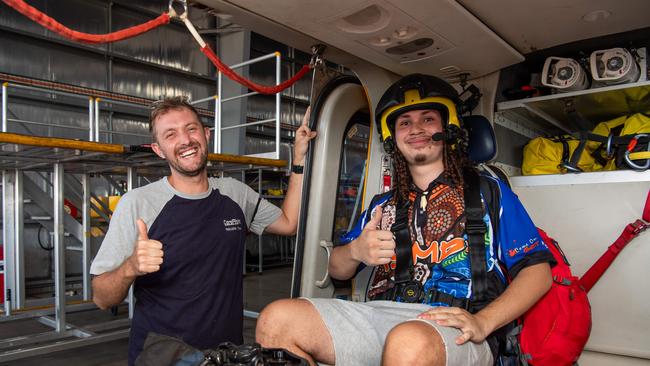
<point x="439" y="244"/>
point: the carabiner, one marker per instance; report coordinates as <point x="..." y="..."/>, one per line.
<point x="317" y="55"/>
<point x="175" y="13"/>
<point x="608" y="150"/>
<point x="631" y="147"/>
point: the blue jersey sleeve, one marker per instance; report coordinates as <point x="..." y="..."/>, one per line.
<point x="356" y="229"/>
<point x="520" y="244"/>
<point x="363" y="219"/>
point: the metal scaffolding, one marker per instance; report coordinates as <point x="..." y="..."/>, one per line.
<point x="69" y="163"/>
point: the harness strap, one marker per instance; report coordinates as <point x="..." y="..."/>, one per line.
<point x="577" y="153"/>
<point x="565" y="152"/>
<point x="630" y="232"/>
<point x="401" y="293"/>
<point x="475" y="229"/>
<point x="403" y="247"/>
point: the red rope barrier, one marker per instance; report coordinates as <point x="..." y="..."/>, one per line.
<point x="230" y="73"/>
<point x="51" y="24"/>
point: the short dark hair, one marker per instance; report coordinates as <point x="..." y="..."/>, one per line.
<point x="163" y="106"/>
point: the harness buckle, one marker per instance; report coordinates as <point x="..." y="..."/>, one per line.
<point x="638" y="226"/>
<point x="474" y="226"/>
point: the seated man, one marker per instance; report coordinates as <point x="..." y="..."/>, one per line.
<point x="444" y="324"/>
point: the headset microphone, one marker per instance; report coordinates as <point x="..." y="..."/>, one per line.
<point x="439" y="136"/>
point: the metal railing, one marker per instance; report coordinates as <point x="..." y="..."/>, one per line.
<point x="219" y="100"/>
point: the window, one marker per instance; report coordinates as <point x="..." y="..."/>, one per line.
<point x="351" y="174"/>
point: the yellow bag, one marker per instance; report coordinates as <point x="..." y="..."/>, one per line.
<point x="555" y="155"/>
<point x="596" y="152"/>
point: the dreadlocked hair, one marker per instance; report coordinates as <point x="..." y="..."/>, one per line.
<point x="402" y="178"/>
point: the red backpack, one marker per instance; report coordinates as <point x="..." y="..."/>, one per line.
<point x="555" y="330"/>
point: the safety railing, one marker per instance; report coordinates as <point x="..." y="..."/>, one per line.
<point x="5" y="108"/>
<point x="94" y="108"/>
<point x="220" y="100"/>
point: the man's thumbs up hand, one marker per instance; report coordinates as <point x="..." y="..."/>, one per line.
<point x="374" y="247"/>
<point x="147" y="255"/>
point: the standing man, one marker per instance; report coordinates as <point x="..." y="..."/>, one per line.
<point x="432" y="318"/>
<point x="180" y="240"/>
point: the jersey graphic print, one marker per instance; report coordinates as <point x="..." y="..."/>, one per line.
<point x="439" y="246"/>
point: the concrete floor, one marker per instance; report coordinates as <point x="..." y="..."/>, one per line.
<point x="259" y="290"/>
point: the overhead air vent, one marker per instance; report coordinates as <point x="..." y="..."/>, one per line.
<point x="367" y="20"/>
<point x="411" y="47"/>
<point x="450" y="70"/>
<point x="455" y="74"/>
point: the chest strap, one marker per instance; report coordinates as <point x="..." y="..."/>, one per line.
<point x="403" y="245"/>
<point x="475" y="229"/>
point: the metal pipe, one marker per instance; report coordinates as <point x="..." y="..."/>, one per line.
<point x="130" y="184"/>
<point x="215" y="132"/>
<point x="8" y="237"/>
<point x="96" y="121"/>
<point x="239" y="96"/>
<point x="4" y="106"/>
<point x="45" y="124"/>
<point x="249" y="124"/>
<point x="199" y="101"/>
<point x="254" y="60"/>
<point x="87" y="237"/>
<point x="44" y="90"/>
<point x="126" y="104"/>
<point x="19" y="250"/>
<point x="125" y="133"/>
<point x="217" y="127"/>
<point x="91" y="114"/>
<point x="59" y="250"/>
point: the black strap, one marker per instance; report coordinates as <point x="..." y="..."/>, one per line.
<point x="403" y="245"/>
<point x="577" y="153"/>
<point x="565" y="150"/>
<point x="475" y="229"/>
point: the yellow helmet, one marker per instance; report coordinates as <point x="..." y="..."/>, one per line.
<point x="415" y="92"/>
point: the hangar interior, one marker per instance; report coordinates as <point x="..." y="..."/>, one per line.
<point x="67" y="107"/>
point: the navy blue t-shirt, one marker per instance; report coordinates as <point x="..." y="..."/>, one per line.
<point x="197" y="293"/>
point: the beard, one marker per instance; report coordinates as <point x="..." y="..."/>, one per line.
<point x="419" y="158"/>
<point x="175" y="163"/>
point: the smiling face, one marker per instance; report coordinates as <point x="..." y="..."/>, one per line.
<point x="181" y="139"/>
<point x="413" y="131"/>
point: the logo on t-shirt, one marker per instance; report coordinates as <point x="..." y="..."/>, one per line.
<point x="232" y="224"/>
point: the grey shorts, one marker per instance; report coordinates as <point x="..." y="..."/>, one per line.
<point x="359" y="330"/>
